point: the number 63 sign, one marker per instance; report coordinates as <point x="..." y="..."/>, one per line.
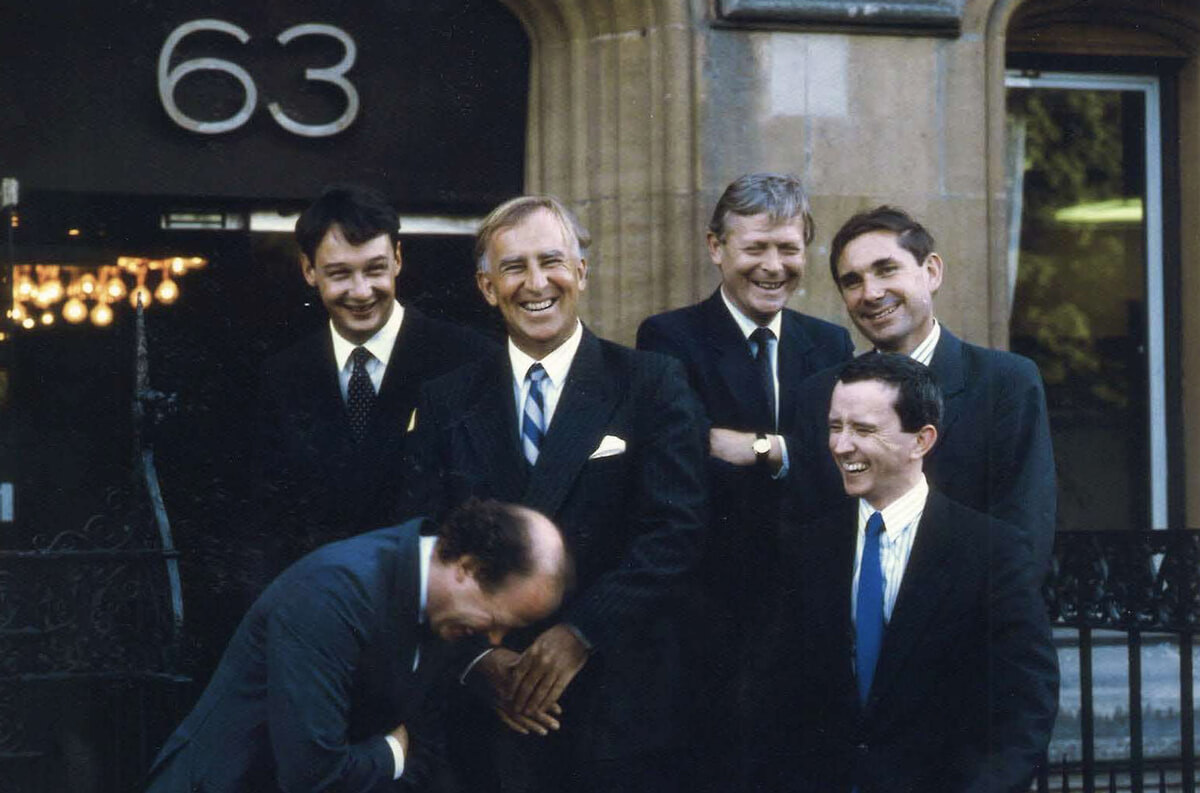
<point x="168" y="79"/>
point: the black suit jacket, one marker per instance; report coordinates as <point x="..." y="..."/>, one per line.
<point x="966" y="686"/>
<point x="633" y="521"/>
<point x="318" y="672"/>
<point x="314" y="484"/>
<point x="714" y="352"/>
<point x="993" y="452"/>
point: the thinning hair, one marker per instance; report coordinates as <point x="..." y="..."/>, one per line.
<point x="497" y="536"/>
<point x="918" y="397"/>
<point x="515" y="210"/>
<point x="779" y="196"/>
<point x="362" y="213"/>
<point x="910" y="234"/>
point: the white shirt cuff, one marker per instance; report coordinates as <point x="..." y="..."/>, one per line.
<point x="462" y="679"/>
<point x="783" y="469"/>
<point x="397" y="755"/>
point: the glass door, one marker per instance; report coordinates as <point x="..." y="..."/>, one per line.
<point x="1085" y="269"/>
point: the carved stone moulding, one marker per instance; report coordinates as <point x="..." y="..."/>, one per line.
<point x="905" y="17"/>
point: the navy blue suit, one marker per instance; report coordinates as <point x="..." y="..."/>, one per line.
<point x="314" y="484"/>
<point x="966" y="685"/>
<point x="318" y="672"/>
<point x="715" y="354"/>
<point x="993" y="452"/>
<point x="633" y="522"/>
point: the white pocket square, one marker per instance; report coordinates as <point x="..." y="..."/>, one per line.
<point x="609" y="445"/>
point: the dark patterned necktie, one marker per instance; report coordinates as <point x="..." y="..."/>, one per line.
<point x="360" y="396"/>
<point x="762" y="338"/>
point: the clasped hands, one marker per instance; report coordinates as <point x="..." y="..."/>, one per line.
<point x="527" y="685"/>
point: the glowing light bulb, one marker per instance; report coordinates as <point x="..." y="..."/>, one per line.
<point x="74" y="311"/>
<point x="27" y="323"/>
<point x="142" y="294"/>
<point x="26" y="289"/>
<point x="47" y="318"/>
<point x="115" y="288"/>
<point x="167" y="291"/>
<point x="17" y="313"/>
<point x="49" y="292"/>
<point x="102" y="315"/>
<point x="87" y="284"/>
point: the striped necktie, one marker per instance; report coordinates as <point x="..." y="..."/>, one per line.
<point x="533" y="426"/>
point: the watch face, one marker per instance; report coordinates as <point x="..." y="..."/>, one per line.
<point x="762" y="446"/>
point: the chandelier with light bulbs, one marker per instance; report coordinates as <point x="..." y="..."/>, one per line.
<point x="91" y="292"/>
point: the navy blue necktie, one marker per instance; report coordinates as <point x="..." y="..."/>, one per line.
<point x="868" y="614"/>
<point x="762" y="338"/>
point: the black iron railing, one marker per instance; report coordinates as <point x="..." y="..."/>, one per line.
<point x="1145" y="586"/>
<point x="90" y="635"/>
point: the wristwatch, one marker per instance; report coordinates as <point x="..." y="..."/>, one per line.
<point x="762" y="449"/>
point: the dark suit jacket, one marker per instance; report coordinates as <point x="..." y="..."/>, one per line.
<point x="315" y="484"/>
<point x="633" y="521"/>
<point x="709" y="343"/>
<point x="317" y="673"/>
<point x="993" y="452"/>
<point x="966" y="686"/>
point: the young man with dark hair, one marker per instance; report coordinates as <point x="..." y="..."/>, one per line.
<point x="334" y="408"/>
<point x="912" y="647"/>
<point x="995" y="454"/>
<point x="325" y="684"/>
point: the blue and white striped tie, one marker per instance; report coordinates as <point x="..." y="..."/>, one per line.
<point x="533" y="426"/>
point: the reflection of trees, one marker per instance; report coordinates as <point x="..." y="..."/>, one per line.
<point x="1073" y="155"/>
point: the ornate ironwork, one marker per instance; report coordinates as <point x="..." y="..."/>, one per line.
<point x="1123" y="580"/>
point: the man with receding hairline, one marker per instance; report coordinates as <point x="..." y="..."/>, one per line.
<point x="608" y="442"/>
<point x="325" y="684"/>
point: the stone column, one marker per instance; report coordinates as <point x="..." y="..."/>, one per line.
<point x="612" y="132"/>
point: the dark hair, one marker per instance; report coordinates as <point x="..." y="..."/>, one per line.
<point x="494" y="533"/>
<point x="780" y="196"/>
<point x="515" y="210"/>
<point x="363" y="214"/>
<point x="918" y="397"/>
<point x="911" y="235"/>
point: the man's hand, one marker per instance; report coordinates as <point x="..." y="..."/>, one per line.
<point x="546" y="668"/>
<point x="498" y="667"/>
<point x="735" y="447"/>
<point x="401" y="735"/>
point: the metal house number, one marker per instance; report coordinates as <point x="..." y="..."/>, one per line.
<point x="168" y="79"/>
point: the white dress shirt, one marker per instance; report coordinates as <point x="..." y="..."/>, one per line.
<point x="425" y="554"/>
<point x="557" y="365"/>
<point x="900" y="521"/>
<point x="748" y="326"/>
<point x="380" y="346"/>
<point x="923" y="352"/>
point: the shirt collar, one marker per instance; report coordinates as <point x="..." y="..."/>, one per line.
<point x="748" y="325"/>
<point x="425" y="553"/>
<point x="923" y="352"/>
<point x="556" y="364"/>
<point x="901" y="514"/>
<point x="380" y="345"/>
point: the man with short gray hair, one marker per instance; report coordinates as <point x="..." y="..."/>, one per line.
<point x="608" y="442"/>
<point x="746" y="354"/>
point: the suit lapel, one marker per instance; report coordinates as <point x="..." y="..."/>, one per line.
<point x="948" y="370"/>
<point x="734" y="362"/>
<point x="575" y="431"/>
<point x="794" y="346"/>
<point x="491" y="425"/>
<point x="921" y="595"/>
